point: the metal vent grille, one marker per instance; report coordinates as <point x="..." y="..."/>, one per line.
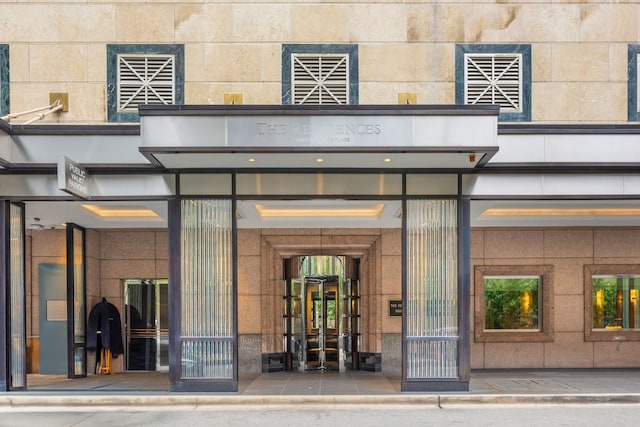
<point x="494" y="79"/>
<point x="320" y="79"/>
<point x="145" y="79"/>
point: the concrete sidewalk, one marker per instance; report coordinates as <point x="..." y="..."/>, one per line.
<point x="150" y="390"/>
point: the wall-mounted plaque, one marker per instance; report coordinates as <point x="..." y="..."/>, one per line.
<point x="395" y="307"/>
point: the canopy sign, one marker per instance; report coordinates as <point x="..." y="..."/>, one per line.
<point x="73" y="178"/>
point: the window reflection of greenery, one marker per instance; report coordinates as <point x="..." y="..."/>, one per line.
<point x="511" y="303"/>
<point x="615" y="302"/>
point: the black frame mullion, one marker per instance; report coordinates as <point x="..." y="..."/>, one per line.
<point x="4" y="297"/>
<point x="71" y="279"/>
<point x="174" y="294"/>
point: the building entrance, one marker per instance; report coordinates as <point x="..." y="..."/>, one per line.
<point x="322" y="320"/>
<point x="146" y="325"/>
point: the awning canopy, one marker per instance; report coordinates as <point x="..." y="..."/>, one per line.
<point x="319" y="137"/>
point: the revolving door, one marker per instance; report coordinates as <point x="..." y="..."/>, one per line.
<point x="321" y="323"/>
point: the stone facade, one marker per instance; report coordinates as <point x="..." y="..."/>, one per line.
<point x="579" y="49"/>
<point x="566" y="251"/>
<point x="120" y="254"/>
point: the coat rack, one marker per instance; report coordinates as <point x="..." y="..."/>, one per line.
<point x="105" y="362"/>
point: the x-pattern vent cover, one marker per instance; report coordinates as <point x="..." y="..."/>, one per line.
<point x="145" y="79"/>
<point x="494" y="79"/>
<point x="320" y="79"/>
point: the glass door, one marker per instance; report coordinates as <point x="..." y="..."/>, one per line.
<point x="350" y="323"/>
<point x="293" y="324"/>
<point x="76" y="294"/>
<point x="321" y="323"/>
<point x="146" y="325"/>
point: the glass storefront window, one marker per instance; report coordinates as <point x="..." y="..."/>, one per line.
<point x="511" y="302"/>
<point x="615" y="302"/>
<point x="612" y="309"/>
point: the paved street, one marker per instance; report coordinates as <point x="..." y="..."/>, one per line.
<point x="314" y="415"/>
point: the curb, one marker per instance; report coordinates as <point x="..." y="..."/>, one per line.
<point x="541" y="399"/>
<point x="154" y="402"/>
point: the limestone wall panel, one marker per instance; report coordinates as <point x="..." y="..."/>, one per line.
<point x="541" y="59"/>
<point x="19" y="57"/>
<point x="91" y="22"/>
<point x="554" y="102"/>
<point x="327" y="23"/>
<point x="387" y="93"/>
<point x="392" y="62"/>
<point x="145" y="23"/>
<point x="86" y="101"/>
<point x="580" y="62"/>
<point x="258" y="24"/>
<point x="543" y="23"/>
<point x="38" y="18"/>
<point x="194" y="71"/>
<point x="377" y="22"/>
<point x="253" y="93"/>
<point x="608" y="22"/>
<point x="58" y="63"/>
<point x="618" y="62"/>
<point x="203" y="23"/>
<point x="97" y="63"/>
<point x="602" y="102"/>
<point x="242" y="62"/>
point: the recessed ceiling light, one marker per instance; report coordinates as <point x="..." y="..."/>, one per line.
<point x="113" y="212"/>
<point x="560" y="212"/>
<point x="374" y="210"/>
<point x="251" y="160"/>
<point x="319" y="160"/>
<point x="387" y="160"/>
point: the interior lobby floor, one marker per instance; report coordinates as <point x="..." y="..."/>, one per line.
<point x="513" y="381"/>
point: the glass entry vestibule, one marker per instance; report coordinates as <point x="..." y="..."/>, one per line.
<point x="321" y="317"/>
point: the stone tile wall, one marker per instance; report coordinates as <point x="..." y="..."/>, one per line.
<point x="579" y="49"/>
<point x="567" y="250"/>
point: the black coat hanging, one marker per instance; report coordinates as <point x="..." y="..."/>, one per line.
<point x="104" y="317"/>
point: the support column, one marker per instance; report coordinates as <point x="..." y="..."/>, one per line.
<point x="433" y="351"/>
<point x="203" y="294"/>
